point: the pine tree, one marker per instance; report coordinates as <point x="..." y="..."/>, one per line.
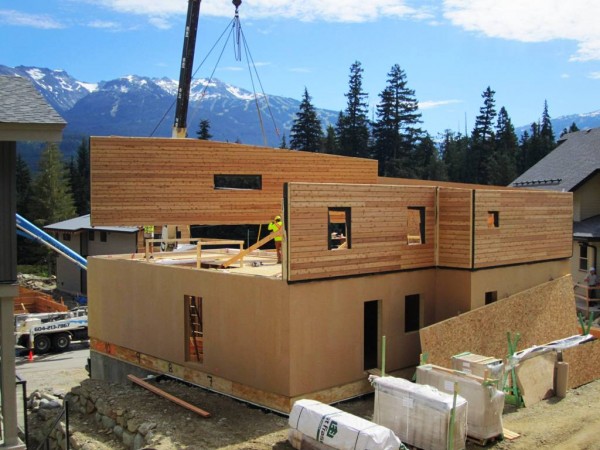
<point x="23" y="175"/>
<point x="203" y="132"/>
<point x="283" y="144"/>
<point x="548" y="140"/>
<point x="572" y="129"/>
<point x="428" y="164"/>
<point x="395" y="132"/>
<point x="353" y="124"/>
<point x="79" y="175"/>
<point x="482" y="140"/>
<point x="501" y="166"/>
<point x="454" y="151"/>
<point x="329" y="144"/>
<point x="52" y="200"/>
<point x="307" y="131"/>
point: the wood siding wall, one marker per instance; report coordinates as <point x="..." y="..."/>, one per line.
<point x="379" y="224"/>
<point x="455" y="212"/>
<point x="139" y="181"/>
<point x="532" y="226"/>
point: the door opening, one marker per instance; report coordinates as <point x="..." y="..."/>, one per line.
<point x="371" y="334"/>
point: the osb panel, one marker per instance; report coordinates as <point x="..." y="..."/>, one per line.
<point x="138" y="181"/>
<point x="533" y="226"/>
<point x="584" y="363"/>
<point x="455" y="210"/>
<point x="541" y="314"/>
<point x="379" y="228"/>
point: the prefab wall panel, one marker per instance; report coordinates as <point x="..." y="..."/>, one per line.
<point x="455" y="212"/>
<point x="378" y="220"/>
<point x="141" y="181"/>
<point x="530" y="226"/>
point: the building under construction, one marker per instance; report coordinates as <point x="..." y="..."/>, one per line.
<point x="363" y="257"/>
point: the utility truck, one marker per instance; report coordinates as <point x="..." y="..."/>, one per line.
<point x="45" y="332"/>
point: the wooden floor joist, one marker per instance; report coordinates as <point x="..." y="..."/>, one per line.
<point x="168" y="396"/>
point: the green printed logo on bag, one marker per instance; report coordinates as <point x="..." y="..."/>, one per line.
<point x="332" y="430"/>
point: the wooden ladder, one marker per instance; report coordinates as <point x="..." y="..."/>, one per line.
<point x="195" y="325"/>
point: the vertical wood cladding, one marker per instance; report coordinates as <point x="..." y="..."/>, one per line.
<point x="531" y="226"/>
<point x="137" y="181"/>
<point x="380" y="224"/>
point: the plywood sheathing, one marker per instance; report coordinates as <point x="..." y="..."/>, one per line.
<point x="541" y="314"/>
<point x="584" y="363"/>
<point x="139" y="181"/>
<point x="535" y="378"/>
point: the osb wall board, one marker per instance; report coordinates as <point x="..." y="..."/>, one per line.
<point x="140" y="181"/>
<point x="378" y="240"/>
<point x="584" y="363"/>
<point x="541" y="314"/>
<point x="140" y="306"/>
<point x="533" y="226"/>
<point x="455" y="212"/>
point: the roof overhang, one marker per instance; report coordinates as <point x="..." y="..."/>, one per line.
<point x="46" y="132"/>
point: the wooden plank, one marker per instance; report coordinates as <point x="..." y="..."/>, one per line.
<point x="168" y="396"/>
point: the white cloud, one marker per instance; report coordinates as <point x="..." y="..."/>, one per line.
<point x="300" y="70"/>
<point x="104" y="24"/>
<point x="160" y="23"/>
<point x="307" y="10"/>
<point x="11" y="17"/>
<point x="431" y="104"/>
<point x="594" y="75"/>
<point x="532" y="21"/>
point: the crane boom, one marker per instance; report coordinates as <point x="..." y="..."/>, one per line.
<point x="187" y="65"/>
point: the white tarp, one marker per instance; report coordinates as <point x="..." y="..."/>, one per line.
<point x="420" y="415"/>
<point x="338" y="429"/>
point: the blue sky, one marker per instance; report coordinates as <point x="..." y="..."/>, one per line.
<point x="528" y="51"/>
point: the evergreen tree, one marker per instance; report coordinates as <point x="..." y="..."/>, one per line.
<point x="547" y="138"/>
<point x="395" y="132"/>
<point x="23" y="175"/>
<point x="203" y="132"/>
<point x="428" y="164"/>
<point x="283" y="144"/>
<point x="353" y="124"/>
<point x="52" y="200"/>
<point x="79" y="174"/>
<point x="307" y="131"/>
<point x="329" y="141"/>
<point x="454" y="151"/>
<point x="482" y="140"/>
<point x="501" y="166"/>
<point x="573" y="128"/>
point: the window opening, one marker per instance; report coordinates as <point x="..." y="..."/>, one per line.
<point x="412" y="313"/>
<point x="66" y="237"/>
<point x="103" y="236"/>
<point x="415" y="225"/>
<point x="371" y="334"/>
<point x="194" y="350"/>
<point x="91" y="235"/>
<point x="491" y="297"/>
<point x="238" y="182"/>
<point x="339" y="228"/>
<point x="583" y="257"/>
<point x="493" y="220"/>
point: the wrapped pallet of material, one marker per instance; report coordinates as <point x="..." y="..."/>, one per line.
<point x="486" y="403"/>
<point x="420" y="415"/>
<point x="325" y="427"/>
<point x="478" y="365"/>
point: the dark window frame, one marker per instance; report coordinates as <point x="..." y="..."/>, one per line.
<point x="91" y="235"/>
<point x="103" y="236"/>
<point x="237" y="182"/>
<point x="412" y="306"/>
<point x="491" y="297"/>
<point x="66" y="237"/>
<point x="583" y="257"/>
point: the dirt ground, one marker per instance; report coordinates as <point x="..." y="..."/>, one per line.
<point x="570" y="423"/>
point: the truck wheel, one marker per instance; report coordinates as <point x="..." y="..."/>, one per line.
<point x="42" y="344"/>
<point x="61" y="342"/>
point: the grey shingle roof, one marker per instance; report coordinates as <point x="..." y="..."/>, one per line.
<point x="83" y="223"/>
<point x="573" y="161"/>
<point x="21" y="103"/>
<point x="587" y="229"/>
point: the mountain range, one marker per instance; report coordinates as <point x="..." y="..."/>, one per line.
<point x="142" y="106"/>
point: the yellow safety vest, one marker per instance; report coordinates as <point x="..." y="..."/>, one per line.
<point x="274" y="227"/>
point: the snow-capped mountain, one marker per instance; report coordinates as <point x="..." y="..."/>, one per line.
<point x="141" y="106"/>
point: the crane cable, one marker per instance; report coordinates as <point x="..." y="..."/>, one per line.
<point x="234" y="26"/>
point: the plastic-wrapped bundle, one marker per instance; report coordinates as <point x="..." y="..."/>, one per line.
<point x="478" y="365"/>
<point x="420" y="415"/>
<point x="486" y="403"/>
<point x="336" y="429"/>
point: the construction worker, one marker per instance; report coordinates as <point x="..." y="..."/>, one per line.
<point x="275" y="226"/>
<point x="592" y="280"/>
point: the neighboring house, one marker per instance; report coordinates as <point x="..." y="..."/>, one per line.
<point x="574" y="166"/>
<point x="81" y="237"/>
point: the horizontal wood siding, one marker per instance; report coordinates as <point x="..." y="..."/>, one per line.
<point x="455" y="227"/>
<point x="138" y="181"/>
<point x="533" y="226"/>
<point x="378" y="241"/>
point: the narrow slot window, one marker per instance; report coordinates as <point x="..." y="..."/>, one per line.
<point x="412" y="313"/>
<point x="91" y="235"/>
<point x="339" y="229"/>
<point x="194" y="344"/>
<point x="415" y="225"/>
<point x="583" y="257"/>
<point x="238" y="182"/>
<point x="493" y="220"/>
